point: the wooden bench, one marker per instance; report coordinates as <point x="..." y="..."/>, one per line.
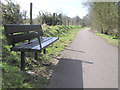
<point x="27" y="38"/>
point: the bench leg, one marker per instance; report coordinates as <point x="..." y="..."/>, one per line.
<point x="44" y="51"/>
<point x="36" y="55"/>
<point x="22" y="61"/>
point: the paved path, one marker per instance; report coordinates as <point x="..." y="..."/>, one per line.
<point x="89" y="62"/>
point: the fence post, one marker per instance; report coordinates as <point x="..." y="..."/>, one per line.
<point x="30" y="17"/>
<point x="53" y="21"/>
<point x="65" y="21"/>
<point x="60" y="22"/>
<point x="68" y="22"/>
<point x="30" y="13"/>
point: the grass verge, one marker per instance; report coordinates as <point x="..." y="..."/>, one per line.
<point x="109" y="39"/>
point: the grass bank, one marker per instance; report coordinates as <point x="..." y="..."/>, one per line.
<point x="110" y="39"/>
<point x="37" y="73"/>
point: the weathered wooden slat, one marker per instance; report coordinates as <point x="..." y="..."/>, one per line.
<point x="34" y="45"/>
<point x="25" y="46"/>
<point x="47" y="43"/>
<point x="44" y="44"/>
<point x="21" y="37"/>
<point x="15" y="28"/>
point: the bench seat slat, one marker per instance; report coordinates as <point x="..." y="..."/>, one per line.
<point x="34" y="44"/>
<point x="21" y="37"/>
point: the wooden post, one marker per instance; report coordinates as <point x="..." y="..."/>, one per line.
<point x="30" y="18"/>
<point x="22" y="61"/>
<point x="30" y="13"/>
<point x="53" y="21"/>
<point x="68" y="22"/>
<point x="72" y="22"/>
<point x="65" y="21"/>
<point x="60" y="16"/>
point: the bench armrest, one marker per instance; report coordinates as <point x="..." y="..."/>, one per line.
<point x="39" y="41"/>
<point x="38" y="37"/>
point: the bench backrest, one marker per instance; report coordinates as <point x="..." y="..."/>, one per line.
<point x="17" y="33"/>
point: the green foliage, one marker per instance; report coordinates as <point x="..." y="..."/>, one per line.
<point x="55" y="19"/>
<point x="110" y="39"/>
<point x="65" y="34"/>
<point x="11" y="13"/>
<point x="49" y="19"/>
<point x="103" y="17"/>
<point x="14" y="78"/>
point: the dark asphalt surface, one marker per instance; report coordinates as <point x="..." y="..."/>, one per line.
<point x="89" y="62"/>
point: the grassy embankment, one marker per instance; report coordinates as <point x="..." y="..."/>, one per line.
<point x="38" y="73"/>
<point x="110" y="39"/>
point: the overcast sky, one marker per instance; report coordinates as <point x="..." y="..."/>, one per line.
<point x="70" y="8"/>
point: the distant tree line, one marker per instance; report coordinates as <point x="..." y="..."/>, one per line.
<point x="49" y="19"/>
<point x="103" y="17"/>
<point x="12" y="14"/>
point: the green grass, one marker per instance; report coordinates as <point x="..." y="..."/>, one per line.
<point x="66" y="35"/>
<point x="13" y="77"/>
<point x="109" y="39"/>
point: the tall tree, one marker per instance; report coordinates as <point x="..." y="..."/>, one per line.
<point x="103" y="17"/>
<point x="0" y="14"/>
<point x="11" y="13"/>
<point x="77" y="20"/>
